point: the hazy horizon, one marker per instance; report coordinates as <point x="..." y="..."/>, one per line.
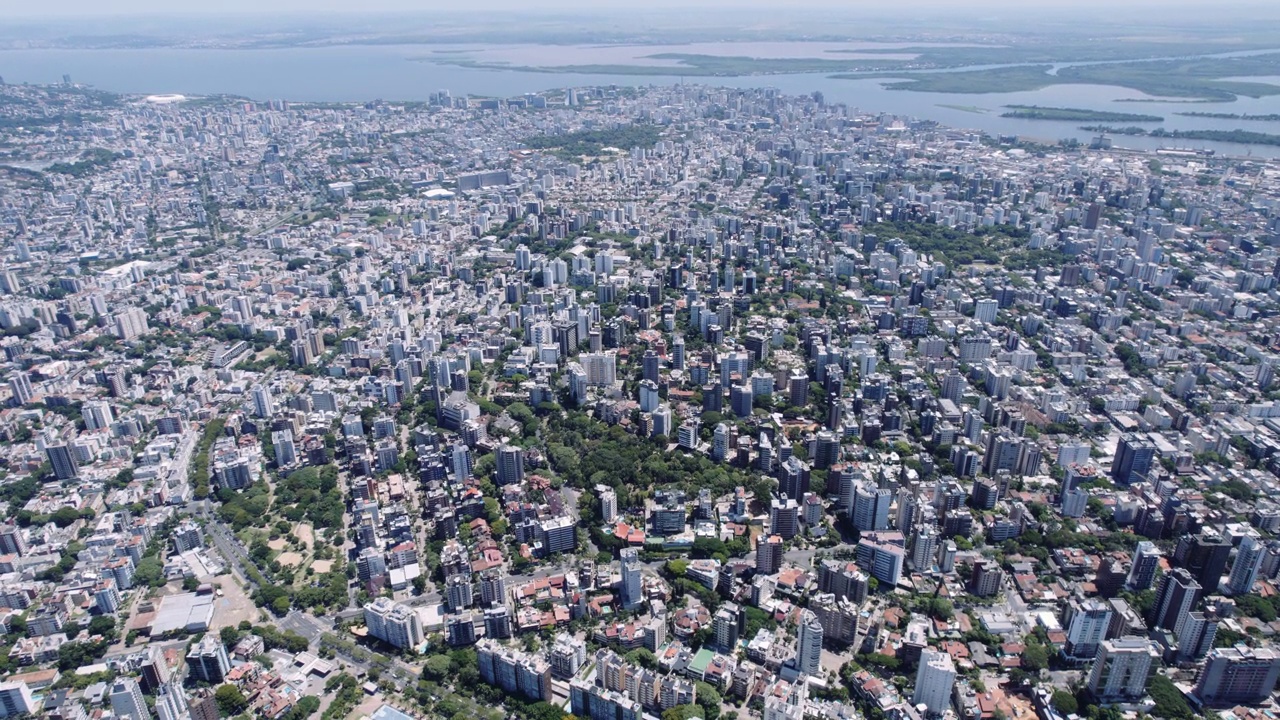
<point x="79" y="9"/>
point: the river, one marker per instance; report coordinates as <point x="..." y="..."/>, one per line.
<point x="398" y="72"/>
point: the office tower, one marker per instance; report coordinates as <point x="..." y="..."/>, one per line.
<point x="263" y="405"/>
<point x="1087" y="626"/>
<point x="1244" y="572"/>
<point x="1146" y="561"/>
<point x="632" y="588"/>
<point x="510" y="465"/>
<point x="16" y="699"/>
<point x="1238" y="676"/>
<point x="769" y="551"/>
<point x="934" y="680"/>
<point x="1134" y="456"/>
<point x="870" y="508"/>
<point x="393" y="623"/>
<point x="809" y="655"/>
<point x="1175" y="598"/>
<point x="1122" y="669"/>
<point x="1205" y="557"/>
<point x="128" y="701"/>
<point x="924" y="548"/>
<point x="207" y="660"/>
<point x="1197" y="636"/>
<point x="62" y="461"/>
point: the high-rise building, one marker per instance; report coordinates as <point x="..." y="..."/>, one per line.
<point x="263" y="405"/>
<point x="16" y="699"/>
<point x="1087" y="626"/>
<point x="1197" y="635"/>
<point x="171" y="703"/>
<point x="395" y="624"/>
<point x="127" y="700"/>
<point x="769" y="551"/>
<point x="1122" y="669"/>
<point x="986" y="579"/>
<point x="870" y="508"/>
<point x="608" y="503"/>
<point x="62" y="461"/>
<point x="934" y="681"/>
<point x="20" y="386"/>
<point x="11" y="540"/>
<point x="131" y="323"/>
<point x="809" y="654"/>
<point x="724" y="628"/>
<point x="1133" y="459"/>
<point x="207" y="660"/>
<point x="1244" y="572"/>
<point x="515" y="672"/>
<point x="1205" y="557"/>
<point x="601" y="368"/>
<point x="1176" y="596"/>
<point x="784" y="517"/>
<point x="97" y="415"/>
<point x="924" y="548"/>
<point x="1146" y="561"/>
<point x="1238" y="676"/>
<point x="510" y="465"/>
<point x="632" y="587"/>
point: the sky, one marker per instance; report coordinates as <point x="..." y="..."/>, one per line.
<point x="85" y="8"/>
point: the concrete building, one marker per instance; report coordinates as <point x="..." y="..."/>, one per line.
<point x="934" y="681"/>
<point x="1122" y="669"/>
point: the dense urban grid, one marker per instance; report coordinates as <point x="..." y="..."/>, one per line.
<point x="617" y="403"/>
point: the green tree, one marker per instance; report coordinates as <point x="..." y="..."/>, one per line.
<point x="1064" y="702"/>
<point x="682" y="712"/>
<point x="231" y="701"/>
<point x="1035" y="658"/>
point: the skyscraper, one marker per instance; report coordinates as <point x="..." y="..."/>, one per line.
<point x="934" y="681"/>
<point x="1122" y="669"/>
<point x="1245" y="570"/>
<point x="510" y="465"/>
<point x="632" y="588"/>
<point x="207" y="660"/>
<point x="809" y="655"/>
<point x="62" y="462"/>
<point x="1146" y="560"/>
<point x="1133" y="459"/>
<point x="263" y="405"/>
<point x="1086" y="628"/>
<point x="870" y="508"/>
<point x="1175" y="598"/>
